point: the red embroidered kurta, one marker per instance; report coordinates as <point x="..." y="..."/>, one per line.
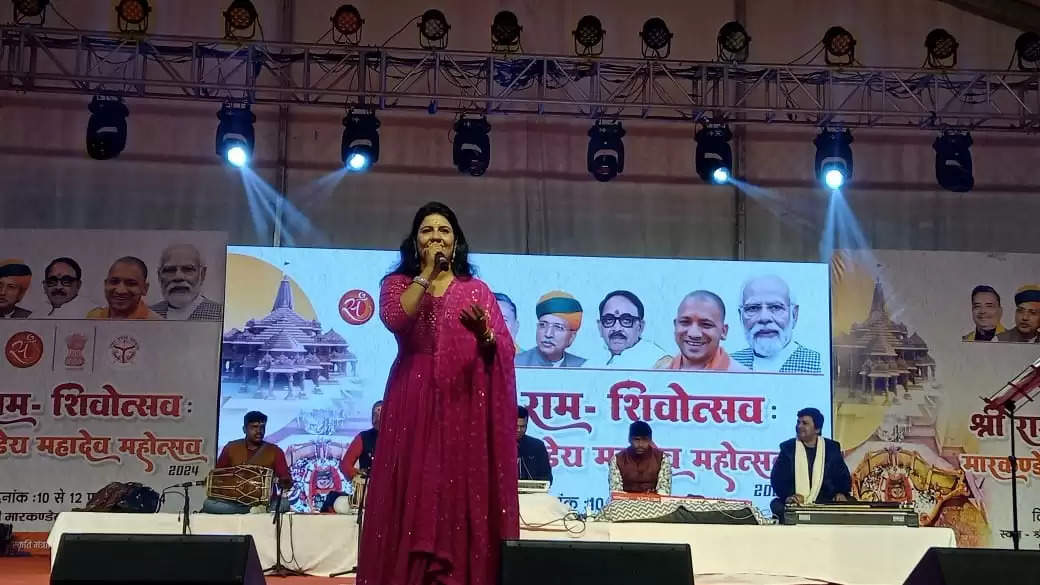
<point x="443" y="491"/>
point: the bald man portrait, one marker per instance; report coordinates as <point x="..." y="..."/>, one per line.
<point x="769" y="314"/>
<point x="181" y="276"/>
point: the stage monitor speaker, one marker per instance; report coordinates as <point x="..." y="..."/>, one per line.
<point x="971" y="566"/>
<point x="547" y="562"/>
<point x="156" y="559"/>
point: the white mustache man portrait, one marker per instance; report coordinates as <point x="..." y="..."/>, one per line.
<point x="769" y="314"/>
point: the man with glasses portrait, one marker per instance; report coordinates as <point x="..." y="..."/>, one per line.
<point x="61" y="283"/>
<point x="769" y="314"/>
<point x="621" y="322"/>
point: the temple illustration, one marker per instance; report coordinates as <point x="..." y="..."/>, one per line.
<point x="878" y="357"/>
<point x="283" y="351"/>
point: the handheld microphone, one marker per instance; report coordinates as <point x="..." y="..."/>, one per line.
<point x="442" y="262"/>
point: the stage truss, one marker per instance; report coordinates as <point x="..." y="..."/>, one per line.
<point x="338" y="76"/>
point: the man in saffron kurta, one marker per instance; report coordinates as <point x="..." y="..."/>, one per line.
<point x="700" y="327"/>
<point x="126" y="286"/>
<point x="642" y="468"/>
<point x="443" y="493"/>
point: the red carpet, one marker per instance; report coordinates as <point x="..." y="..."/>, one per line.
<point x="36" y="571"/>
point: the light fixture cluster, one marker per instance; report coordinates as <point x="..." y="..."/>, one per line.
<point x="471" y="149"/>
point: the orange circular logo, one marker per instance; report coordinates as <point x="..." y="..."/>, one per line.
<point x="24" y="349"/>
<point x="356" y="307"/>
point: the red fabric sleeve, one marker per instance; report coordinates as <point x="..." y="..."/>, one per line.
<point x="224" y="460"/>
<point x="390" y="309"/>
<point x="350" y="458"/>
<point x="281" y="468"/>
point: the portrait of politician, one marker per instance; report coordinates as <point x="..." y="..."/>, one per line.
<point x="61" y="283"/>
<point x="642" y="468"/>
<point x="1027" y="316"/>
<point x="532" y="456"/>
<point x="769" y="314"/>
<point x="700" y="327"/>
<point x="559" y="318"/>
<point x="125" y="288"/>
<point x="181" y="276"/>
<point x="809" y="469"/>
<point x="15" y="278"/>
<point x="621" y="322"/>
<point x="986" y="313"/>
<point x="508" y="309"/>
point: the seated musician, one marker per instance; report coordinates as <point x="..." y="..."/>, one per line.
<point x="357" y="461"/>
<point x="252" y="450"/>
<point x="362" y="450"/>
<point x="641" y="468"/>
<point x="810" y="468"/>
<point x="531" y="453"/>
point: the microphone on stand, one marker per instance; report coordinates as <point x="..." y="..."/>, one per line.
<point x="189" y="484"/>
<point x="442" y="262"/>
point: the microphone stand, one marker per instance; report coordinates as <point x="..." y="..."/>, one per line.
<point x="278" y="569"/>
<point x="360" y="524"/>
<point x="186" y="510"/>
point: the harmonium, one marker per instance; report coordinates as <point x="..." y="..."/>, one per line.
<point x="854" y="513"/>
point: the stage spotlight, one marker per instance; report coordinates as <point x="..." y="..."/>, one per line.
<point x="239" y="17"/>
<point x="471" y="147"/>
<point x="834" y="157"/>
<point x="606" y="157"/>
<point x="235" y="137"/>
<point x="953" y="168"/>
<point x="713" y="157"/>
<point x="106" y="129"/>
<point x="657" y="39"/>
<point x="1027" y="47"/>
<point x="942" y="49"/>
<point x="839" y="46"/>
<point x="505" y="32"/>
<point x="31" y="12"/>
<point x="360" y="147"/>
<point x="132" y="15"/>
<point x="346" y="25"/>
<point x="433" y="30"/>
<point x="734" y="43"/>
<point x="588" y="37"/>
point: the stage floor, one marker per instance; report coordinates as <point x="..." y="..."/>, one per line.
<point x="36" y="571"/>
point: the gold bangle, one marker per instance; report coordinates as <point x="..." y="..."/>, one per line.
<point x="421" y="282"/>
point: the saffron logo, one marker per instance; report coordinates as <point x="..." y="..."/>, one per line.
<point x="123" y="350"/>
<point x="24" y="349"/>
<point x="356" y="307"/>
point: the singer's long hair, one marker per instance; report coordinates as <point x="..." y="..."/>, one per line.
<point x="409" y="264"/>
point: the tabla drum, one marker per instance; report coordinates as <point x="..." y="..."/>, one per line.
<point x="249" y="485"/>
<point x="357" y="497"/>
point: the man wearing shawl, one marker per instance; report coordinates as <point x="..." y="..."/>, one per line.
<point x="559" y="318"/>
<point x="15" y="278"/>
<point x="700" y="326"/>
<point x="809" y="469"/>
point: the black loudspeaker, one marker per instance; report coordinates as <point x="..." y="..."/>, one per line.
<point x="972" y="566"/>
<point x="548" y="562"/>
<point x="156" y="559"/>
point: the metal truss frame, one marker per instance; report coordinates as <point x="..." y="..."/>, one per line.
<point x="382" y="78"/>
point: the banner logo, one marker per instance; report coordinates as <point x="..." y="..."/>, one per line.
<point x="24" y="349"/>
<point x="356" y="307"/>
<point x="123" y="350"/>
<point x="74" y="345"/>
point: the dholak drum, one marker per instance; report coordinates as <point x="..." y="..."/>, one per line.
<point x="249" y="485"/>
<point x="357" y="497"/>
